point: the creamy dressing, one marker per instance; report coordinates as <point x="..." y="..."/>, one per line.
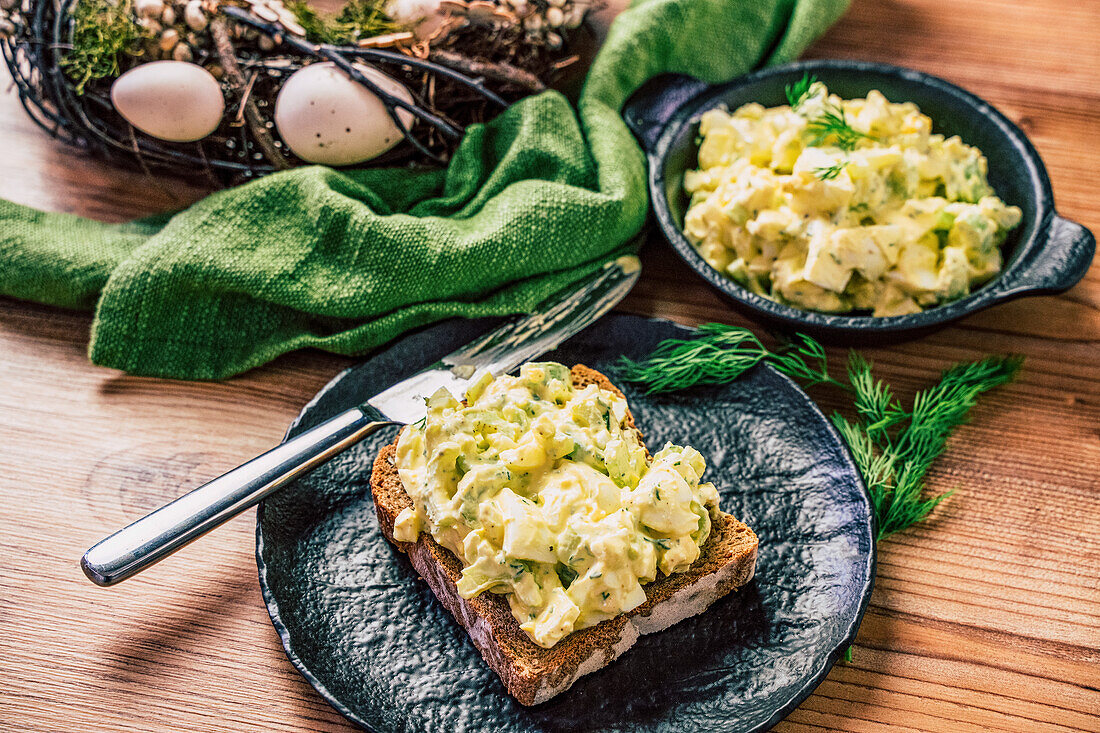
<point x="903" y="221"/>
<point x="545" y="495"/>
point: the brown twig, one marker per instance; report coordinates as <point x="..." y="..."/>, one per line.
<point x="563" y="63"/>
<point x="497" y="71"/>
<point x="228" y="57"/>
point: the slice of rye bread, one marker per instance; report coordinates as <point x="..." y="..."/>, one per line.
<point x="531" y="673"/>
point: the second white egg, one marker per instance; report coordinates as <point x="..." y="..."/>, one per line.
<point x="326" y="117"/>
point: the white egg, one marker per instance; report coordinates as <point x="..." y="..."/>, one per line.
<point x="170" y="100"/>
<point x="325" y="117"/>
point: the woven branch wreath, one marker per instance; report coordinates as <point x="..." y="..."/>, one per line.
<point x="233" y="95"/>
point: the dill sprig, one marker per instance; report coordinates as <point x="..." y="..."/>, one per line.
<point x="893" y="447"/>
<point x="828" y="173"/>
<point x="799" y="92"/>
<point x="103" y="30"/>
<point x="832" y="124"/>
<point x="721" y="354"/>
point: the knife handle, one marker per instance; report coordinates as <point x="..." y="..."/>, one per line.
<point x="157" y="535"/>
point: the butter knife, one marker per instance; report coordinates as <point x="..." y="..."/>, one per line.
<point x="159" y="534"/>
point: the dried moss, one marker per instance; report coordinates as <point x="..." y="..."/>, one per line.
<point x="357" y="19"/>
<point x="103" y="30"/>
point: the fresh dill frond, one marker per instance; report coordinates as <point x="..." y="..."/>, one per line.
<point x="832" y="125"/>
<point x="103" y="30"/>
<point x="893" y="447"/>
<point x="804" y="359"/>
<point x="798" y="92"/>
<point x="874" y="402"/>
<point x="719" y="355"/>
<point x="828" y="173"/>
<point x="939" y="410"/>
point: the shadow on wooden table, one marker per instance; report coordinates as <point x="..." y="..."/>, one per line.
<point x="155" y="643"/>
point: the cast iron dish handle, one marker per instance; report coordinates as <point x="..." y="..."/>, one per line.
<point x="654" y="103"/>
<point x="1055" y="267"/>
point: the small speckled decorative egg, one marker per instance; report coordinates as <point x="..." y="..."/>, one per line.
<point x="170" y="100"/>
<point x="325" y="117"/>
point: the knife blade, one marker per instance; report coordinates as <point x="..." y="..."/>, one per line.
<point x="160" y="533"/>
<point x="505" y="348"/>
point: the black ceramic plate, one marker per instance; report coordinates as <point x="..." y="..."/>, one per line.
<point x="1045" y="254"/>
<point x="374" y="641"/>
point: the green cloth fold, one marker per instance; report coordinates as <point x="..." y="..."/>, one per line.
<point x="346" y="260"/>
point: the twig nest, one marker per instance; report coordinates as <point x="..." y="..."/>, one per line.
<point x="170" y="100"/>
<point x="325" y="117"/>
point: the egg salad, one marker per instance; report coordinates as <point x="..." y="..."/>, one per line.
<point x="546" y="496"/>
<point x="839" y="205"/>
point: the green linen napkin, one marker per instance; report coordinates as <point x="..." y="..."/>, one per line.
<point x="346" y="260"/>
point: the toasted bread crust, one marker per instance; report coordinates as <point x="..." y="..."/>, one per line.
<point x="533" y="674"/>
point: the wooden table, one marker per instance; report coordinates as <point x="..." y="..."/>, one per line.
<point x="986" y="618"/>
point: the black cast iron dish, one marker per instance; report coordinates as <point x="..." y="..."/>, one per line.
<point x="1045" y="254"/>
<point x="376" y="643"/>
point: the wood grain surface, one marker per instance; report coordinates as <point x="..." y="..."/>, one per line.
<point x="985" y="618"/>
